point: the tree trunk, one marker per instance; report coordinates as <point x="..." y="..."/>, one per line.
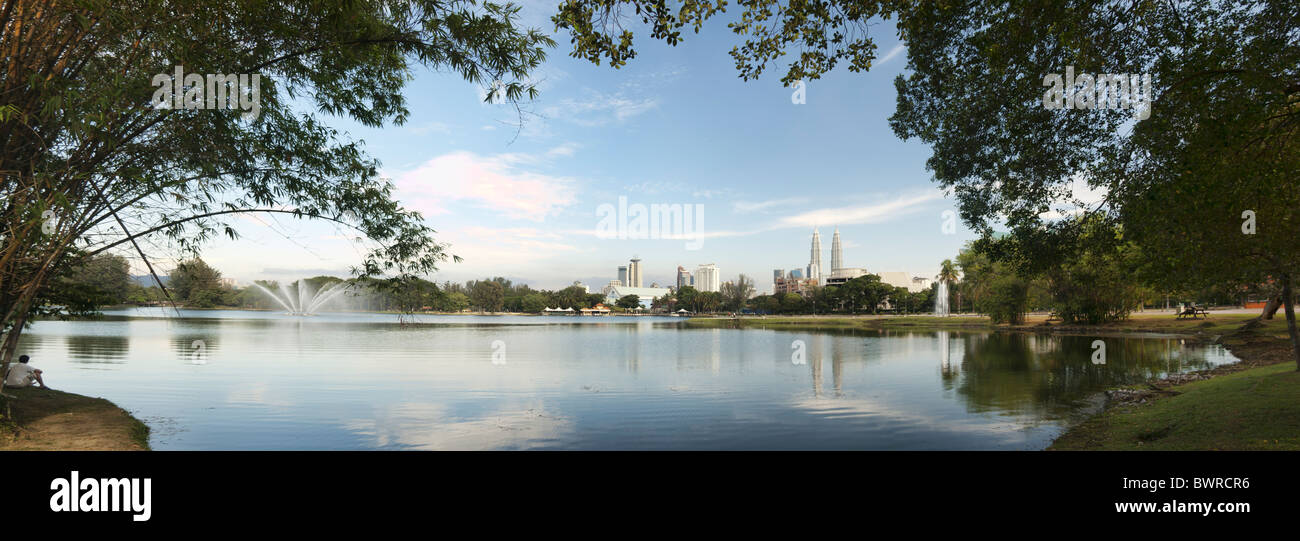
<point x="1271" y="307"/>
<point x="1288" y="300"/>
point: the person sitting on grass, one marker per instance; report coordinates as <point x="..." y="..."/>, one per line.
<point x="22" y="374"/>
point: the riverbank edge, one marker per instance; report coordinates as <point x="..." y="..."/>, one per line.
<point x="37" y="419"/>
<point x="1259" y="348"/>
<point x="1213" y="409"/>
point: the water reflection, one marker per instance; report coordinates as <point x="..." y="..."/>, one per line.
<point x="1017" y="372"/>
<point x="363" y="382"/>
<point x="97" y="349"/>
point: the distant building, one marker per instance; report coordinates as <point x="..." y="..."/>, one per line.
<point x="800" y="286"/>
<point x="837" y="256"/>
<point x="796" y="273"/>
<point x="634" y="273"/>
<point x="612" y="284"/>
<point x="843" y="275"/>
<point x="708" y="278"/>
<point x="815" y="258"/>
<point x="904" y="280"/>
<point x="646" y="295"/>
<point x="683" y="277"/>
<point x="622" y="274"/>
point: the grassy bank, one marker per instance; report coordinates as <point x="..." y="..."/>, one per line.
<point x="1251" y="405"/>
<point x="51" y="420"/>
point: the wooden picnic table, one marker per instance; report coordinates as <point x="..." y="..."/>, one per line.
<point x="1194" y="312"/>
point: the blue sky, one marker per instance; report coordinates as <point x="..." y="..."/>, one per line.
<point x="676" y="125"/>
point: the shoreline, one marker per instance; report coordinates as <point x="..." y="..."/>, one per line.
<point x="52" y="420"/>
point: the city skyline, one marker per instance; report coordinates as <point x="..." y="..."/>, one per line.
<point x="520" y="201"/>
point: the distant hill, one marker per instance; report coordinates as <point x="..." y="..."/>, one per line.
<point x="146" y="280"/>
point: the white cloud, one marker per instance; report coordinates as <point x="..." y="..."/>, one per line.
<point x="898" y="49"/>
<point x="747" y="206"/>
<point x="861" y="214"/>
<point x="597" y="108"/>
<point x="565" y="150"/>
<point x="492" y="182"/>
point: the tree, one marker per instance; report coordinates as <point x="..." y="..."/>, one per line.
<point x="487" y="296"/>
<point x="629" y="302"/>
<point x="88" y="164"/>
<point x="734" y="294"/>
<point x="1216" y="140"/>
<point x="533" y="303"/>
<point x="106" y="279"/>
<point x="196" y="282"/>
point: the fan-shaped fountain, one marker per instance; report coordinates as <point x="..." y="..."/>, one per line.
<point x="303" y="301"/>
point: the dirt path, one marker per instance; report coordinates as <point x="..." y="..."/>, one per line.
<point x="46" y="420"/>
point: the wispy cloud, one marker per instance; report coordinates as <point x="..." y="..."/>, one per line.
<point x="748" y="206"/>
<point x="898" y="49"/>
<point x="861" y="214"/>
<point x="597" y="108"/>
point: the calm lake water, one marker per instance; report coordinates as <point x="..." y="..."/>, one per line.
<point x="362" y="381"/>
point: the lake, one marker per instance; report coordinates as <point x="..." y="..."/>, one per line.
<point x="246" y="380"/>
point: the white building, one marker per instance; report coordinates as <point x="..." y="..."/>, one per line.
<point x="646" y="295"/>
<point x="707" y="278"/>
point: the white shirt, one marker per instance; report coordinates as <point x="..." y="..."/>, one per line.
<point x="20" y="375"/>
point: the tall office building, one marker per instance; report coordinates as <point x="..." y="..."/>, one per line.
<point x="622" y="275"/>
<point x="837" y="259"/>
<point x="777" y="274"/>
<point x="683" y="277"/>
<point x="707" y="278"/>
<point x="815" y="258"/>
<point x="634" y="273"/>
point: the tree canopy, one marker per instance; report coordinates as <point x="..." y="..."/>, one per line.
<point x="91" y="162"/>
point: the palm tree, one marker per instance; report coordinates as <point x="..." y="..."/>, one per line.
<point x="948" y="273"/>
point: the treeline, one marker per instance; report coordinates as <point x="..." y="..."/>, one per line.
<point x="1083" y="271"/>
<point x="864" y="294"/>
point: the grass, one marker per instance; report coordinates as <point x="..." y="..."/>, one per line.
<point x="44" y="419"/>
<point x="1253" y="409"/>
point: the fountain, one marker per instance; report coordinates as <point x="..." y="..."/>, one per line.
<point x="941" y="299"/>
<point x="303" y="302"/>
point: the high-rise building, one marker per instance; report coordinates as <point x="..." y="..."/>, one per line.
<point x="796" y="273"/>
<point x="707" y="278"/>
<point x="777" y="275"/>
<point x="837" y="260"/>
<point x="622" y="274"/>
<point x="815" y="258"/>
<point x="634" y="273"/>
<point x="683" y="277"/>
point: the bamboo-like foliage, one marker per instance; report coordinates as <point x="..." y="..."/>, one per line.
<point x="89" y="162"/>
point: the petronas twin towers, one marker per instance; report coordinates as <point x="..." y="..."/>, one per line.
<point x="815" y="261"/>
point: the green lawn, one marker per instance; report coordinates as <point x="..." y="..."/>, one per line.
<point x="1255" y="409"/>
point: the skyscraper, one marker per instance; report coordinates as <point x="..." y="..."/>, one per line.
<point x="815" y="259"/>
<point x="634" y="273"/>
<point x="837" y="261"/>
<point x="707" y="278"/>
<point x="622" y="275"/>
<point x="683" y="277"/>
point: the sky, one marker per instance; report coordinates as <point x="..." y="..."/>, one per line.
<point x="674" y="126"/>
